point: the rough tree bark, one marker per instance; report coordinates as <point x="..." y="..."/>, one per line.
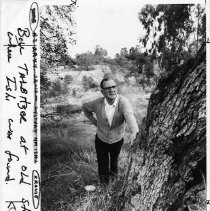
<point x="173" y="139"/>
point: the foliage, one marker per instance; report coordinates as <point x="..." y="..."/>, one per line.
<point x="124" y="52"/>
<point x="88" y="83"/>
<point x="55" y="89"/>
<point x="58" y="88"/>
<point x="56" y="32"/>
<point x="170" y="29"/>
<point x="135" y="63"/>
<point x="121" y="61"/>
<point x="88" y="59"/>
<point x="68" y="79"/>
<point x="45" y="82"/>
<point x="85" y="60"/>
<point x="100" y="51"/>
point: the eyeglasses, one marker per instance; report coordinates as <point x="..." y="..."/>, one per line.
<point x="110" y="87"/>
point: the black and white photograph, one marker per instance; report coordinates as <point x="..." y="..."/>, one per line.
<point x="123" y="106"/>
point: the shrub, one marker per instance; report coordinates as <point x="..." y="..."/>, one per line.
<point x="68" y="79"/>
<point x="88" y="82"/>
<point x="57" y="88"/>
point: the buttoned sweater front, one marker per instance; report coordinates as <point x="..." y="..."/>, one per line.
<point x="114" y="132"/>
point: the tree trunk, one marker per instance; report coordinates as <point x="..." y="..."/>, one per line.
<point x="173" y="139"/>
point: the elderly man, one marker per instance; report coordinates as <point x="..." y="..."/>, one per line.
<point x="112" y="112"/>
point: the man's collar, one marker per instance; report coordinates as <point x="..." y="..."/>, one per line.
<point x="114" y="104"/>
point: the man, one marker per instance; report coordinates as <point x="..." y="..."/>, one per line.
<point x="112" y="111"/>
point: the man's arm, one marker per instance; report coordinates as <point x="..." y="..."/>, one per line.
<point x="88" y="109"/>
<point x="130" y="118"/>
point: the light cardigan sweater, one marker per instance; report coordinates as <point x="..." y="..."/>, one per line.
<point x="123" y="114"/>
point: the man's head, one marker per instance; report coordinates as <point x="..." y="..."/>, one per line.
<point x="109" y="88"/>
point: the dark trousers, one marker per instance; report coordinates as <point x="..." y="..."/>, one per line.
<point x="107" y="157"/>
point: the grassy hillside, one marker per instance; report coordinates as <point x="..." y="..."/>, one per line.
<point x="68" y="153"/>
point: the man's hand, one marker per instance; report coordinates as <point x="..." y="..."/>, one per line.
<point x="132" y="138"/>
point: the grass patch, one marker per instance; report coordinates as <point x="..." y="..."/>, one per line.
<point x="66" y="169"/>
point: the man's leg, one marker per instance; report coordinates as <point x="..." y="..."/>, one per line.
<point x="114" y="154"/>
<point x="103" y="160"/>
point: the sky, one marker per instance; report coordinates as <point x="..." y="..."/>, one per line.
<point x="110" y="24"/>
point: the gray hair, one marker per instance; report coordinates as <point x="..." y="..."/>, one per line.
<point x="106" y="79"/>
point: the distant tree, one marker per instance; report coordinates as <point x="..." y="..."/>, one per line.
<point x="199" y="28"/>
<point x="142" y="67"/>
<point x="133" y="53"/>
<point x="57" y="29"/>
<point x="170" y="28"/>
<point x="99" y="51"/>
<point x="85" y="60"/>
<point x="121" y="61"/>
<point x="124" y="52"/>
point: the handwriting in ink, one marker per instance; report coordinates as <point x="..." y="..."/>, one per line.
<point x="10" y="87"/>
<point x="10" y="131"/>
<point x="10" y="45"/>
<point x="36" y="188"/>
<point x="73" y="2"/>
<point x="23" y="117"/>
<point x="24" y="205"/>
<point x="22" y="144"/>
<point x="23" y="104"/>
<point x="16" y="41"/>
<point x="33" y="12"/>
<point x="24" y="68"/>
<point x="8" y="96"/>
<point x="34" y="16"/>
<point x="34" y="50"/>
<point x="22" y="89"/>
<point x="10" y="159"/>
<point x="11" y="205"/>
<point x="24" y="175"/>
<point x="24" y="208"/>
<point x="11" y="156"/>
<point x="23" y="32"/>
<point x="11" y="82"/>
<point x="20" y="40"/>
<point x="23" y="81"/>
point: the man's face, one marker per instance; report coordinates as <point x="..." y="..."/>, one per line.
<point x="109" y="89"/>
